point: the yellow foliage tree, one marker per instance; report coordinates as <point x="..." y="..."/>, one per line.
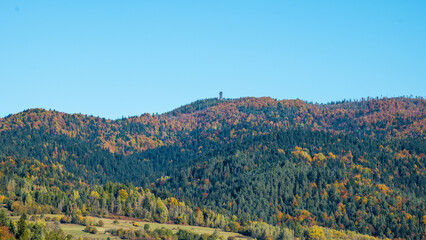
<point x="123" y="194"/>
<point x="316" y="233"/>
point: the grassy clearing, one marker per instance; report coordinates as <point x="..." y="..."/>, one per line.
<point x="77" y="230"/>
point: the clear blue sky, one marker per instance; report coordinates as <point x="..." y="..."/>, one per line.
<point x="125" y="58"/>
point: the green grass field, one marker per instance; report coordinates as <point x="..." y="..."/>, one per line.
<point x="77" y="230"/>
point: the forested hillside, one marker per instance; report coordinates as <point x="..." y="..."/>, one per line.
<point x="350" y="165"/>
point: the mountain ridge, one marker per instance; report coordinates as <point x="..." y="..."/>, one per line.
<point x="390" y="115"/>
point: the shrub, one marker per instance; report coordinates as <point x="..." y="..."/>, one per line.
<point x="146" y="227"/>
<point x="101" y="223"/>
<point x="65" y="219"/>
<point x="91" y="229"/>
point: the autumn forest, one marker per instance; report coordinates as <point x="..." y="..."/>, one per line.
<point x="261" y="167"/>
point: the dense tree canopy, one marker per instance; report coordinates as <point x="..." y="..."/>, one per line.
<point x="350" y="165"/>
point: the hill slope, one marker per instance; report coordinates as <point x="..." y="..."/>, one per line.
<point x="347" y="165"/>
